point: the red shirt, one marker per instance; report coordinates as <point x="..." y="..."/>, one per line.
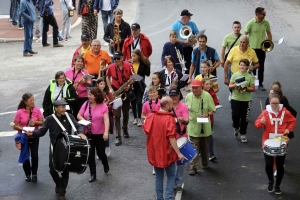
<point x="216" y="101"/>
<point x="116" y="73"/>
<point x="159" y="127"/>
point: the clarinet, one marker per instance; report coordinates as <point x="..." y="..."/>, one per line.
<point x="202" y="112"/>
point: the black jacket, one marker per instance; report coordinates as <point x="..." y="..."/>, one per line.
<point x="124" y="29"/>
<point x="54" y="129"/>
<point x="180" y="84"/>
<point x="143" y="71"/>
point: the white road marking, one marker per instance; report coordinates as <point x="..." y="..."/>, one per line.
<point x="179" y="194"/>
<point x="8" y="133"/>
<point x="11" y="112"/>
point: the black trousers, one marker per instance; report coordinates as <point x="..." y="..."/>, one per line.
<point x="97" y="142"/>
<point x="61" y="182"/>
<point x="261" y="55"/>
<point x="187" y="54"/>
<point x="50" y="20"/>
<point x="136" y="104"/>
<point x="280" y="168"/>
<point x="33" y="147"/>
<point x="240" y="115"/>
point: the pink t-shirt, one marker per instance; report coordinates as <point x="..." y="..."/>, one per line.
<point x="97" y="113"/>
<point x="81" y="89"/>
<point x="22" y="117"/>
<point x="182" y="111"/>
<point x="155" y="106"/>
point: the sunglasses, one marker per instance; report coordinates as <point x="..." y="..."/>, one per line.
<point x="117" y="58"/>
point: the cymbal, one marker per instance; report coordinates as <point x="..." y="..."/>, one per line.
<point x="282" y="138"/>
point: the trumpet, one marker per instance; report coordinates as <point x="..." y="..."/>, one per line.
<point x="101" y="69"/>
<point x="186" y="32"/>
<point x="267" y="45"/>
<point x="80" y="80"/>
<point x="181" y="59"/>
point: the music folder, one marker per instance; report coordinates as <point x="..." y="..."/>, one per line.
<point x="202" y="120"/>
<point x="214" y="79"/>
<point x="84" y="122"/>
<point x="88" y="76"/>
<point x="137" y="77"/>
<point x="185" y="77"/>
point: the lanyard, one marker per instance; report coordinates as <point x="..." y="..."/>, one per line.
<point x="134" y="45"/>
<point x="60" y="93"/>
<point x="74" y="78"/>
<point x="123" y="76"/>
<point x="30" y="114"/>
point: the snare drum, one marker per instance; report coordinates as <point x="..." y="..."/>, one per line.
<point x="273" y="147"/>
<point x="186" y="149"/>
<point x="70" y="153"/>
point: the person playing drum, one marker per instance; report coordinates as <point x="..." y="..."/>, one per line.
<point x="275" y="119"/>
<point x="181" y="112"/>
<point x="54" y="131"/>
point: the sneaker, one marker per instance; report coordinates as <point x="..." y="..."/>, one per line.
<point x="139" y="122"/>
<point x="236" y="132"/>
<point x="229" y="97"/>
<point x="179" y="188"/>
<point x="10" y="20"/>
<point x="187" y="89"/>
<point x="278" y="190"/>
<point x="39" y="39"/>
<point x="20" y="27"/>
<point x="261" y="88"/>
<point x="125" y="134"/>
<point x="118" y="141"/>
<point x="153" y="171"/>
<point x="212" y="158"/>
<point x="46" y="45"/>
<point x="58" y="45"/>
<point x="135" y="121"/>
<point x="271" y="186"/>
<point x="275" y="173"/>
<point x="107" y="151"/>
<point x="193" y="171"/>
<point x="243" y="138"/>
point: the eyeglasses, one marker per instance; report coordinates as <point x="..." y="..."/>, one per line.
<point x="117" y="58"/>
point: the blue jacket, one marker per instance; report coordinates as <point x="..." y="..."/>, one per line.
<point x="45" y="7"/>
<point x="169" y="50"/>
<point x="98" y="4"/>
<point x="24" y="154"/>
<point x="27" y="11"/>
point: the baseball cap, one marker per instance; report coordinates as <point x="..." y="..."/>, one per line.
<point x="59" y="103"/>
<point x="196" y="83"/>
<point x="135" y="26"/>
<point x="118" y="54"/>
<point x="85" y="36"/>
<point x="174" y="92"/>
<point x="185" y="12"/>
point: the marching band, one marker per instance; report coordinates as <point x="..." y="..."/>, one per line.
<point x="102" y="86"/>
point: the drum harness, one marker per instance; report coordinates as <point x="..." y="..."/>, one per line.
<point x="276" y="120"/>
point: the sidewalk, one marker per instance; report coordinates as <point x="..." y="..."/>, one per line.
<point x="10" y="33"/>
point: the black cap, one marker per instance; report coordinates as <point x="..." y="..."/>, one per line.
<point x="59" y="103"/>
<point x="85" y="36"/>
<point x="185" y="12"/>
<point x="135" y="26"/>
<point x="118" y="54"/>
<point x="174" y="92"/>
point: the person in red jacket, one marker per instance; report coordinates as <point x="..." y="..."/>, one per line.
<point x="84" y="47"/>
<point x="137" y="41"/>
<point x="275" y="119"/>
<point x="162" y="149"/>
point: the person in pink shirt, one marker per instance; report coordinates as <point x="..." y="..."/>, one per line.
<point x="153" y="103"/>
<point x="29" y="115"/>
<point x="181" y="112"/>
<point x="75" y="74"/>
<point x="96" y="111"/>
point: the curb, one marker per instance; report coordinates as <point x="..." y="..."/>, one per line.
<point x="7" y="40"/>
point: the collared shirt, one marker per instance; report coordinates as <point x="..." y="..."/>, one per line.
<point x="83" y="50"/>
<point x="197" y="108"/>
<point x="199" y="77"/>
<point x="92" y="62"/>
<point x="204" y="57"/>
<point x="182" y="111"/>
<point x="136" y="44"/>
<point x="155" y="107"/>
<point x="257" y="32"/>
<point x="22" y="117"/>
<point x="229" y="39"/>
<point x="236" y="55"/>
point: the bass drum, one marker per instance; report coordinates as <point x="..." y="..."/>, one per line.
<point x="70" y="153"/>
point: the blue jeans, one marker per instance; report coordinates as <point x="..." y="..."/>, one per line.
<point x="105" y="14"/>
<point x="211" y="143"/>
<point x="15" y="13"/>
<point x="179" y="175"/>
<point x="28" y="35"/>
<point x="159" y="182"/>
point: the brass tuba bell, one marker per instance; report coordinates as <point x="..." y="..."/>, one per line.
<point x="267" y="45"/>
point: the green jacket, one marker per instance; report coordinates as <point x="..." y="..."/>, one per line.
<point x="71" y="98"/>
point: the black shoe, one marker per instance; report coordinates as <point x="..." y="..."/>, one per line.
<point x="126" y="135"/>
<point x="28" y="179"/>
<point x="56" y="189"/>
<point x="106" y="169"/>
<point x="261" y="88"/>
<point x="277" y="190"/>
<point x="271" y="186"/>
<point x="118" y="141"/>
<point x="92" y="178"/>
<point x="46" y="45"/>
<point x="34" y="178"/>
<point x="58" y="45"/>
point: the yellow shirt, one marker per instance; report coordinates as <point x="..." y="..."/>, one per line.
<point x="136" y="67"/>
<point x="83" y="50"/>
<point x="235" y="55"/>
<point x="199" y="78"/>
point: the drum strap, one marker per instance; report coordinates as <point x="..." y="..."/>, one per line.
<point x="61" y="126"/>
<point x="276" y="120"/>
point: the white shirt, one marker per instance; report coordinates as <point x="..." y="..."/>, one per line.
<point x="135" y="43"/>
<point x="106" y="5"/>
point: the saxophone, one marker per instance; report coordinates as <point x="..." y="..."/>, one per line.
<point x="121" y="91"/>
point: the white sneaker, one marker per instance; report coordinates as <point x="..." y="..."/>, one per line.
<point x="229" y="97"/>
<point x="107" y="151"/>
<point x="275" y="173"/>
<point x="139" y="122"/>
<point x="135" y="121"/>
<point x="243" y="139"/>
<point x="153" y="171"/>
<point x="39" y="39"/>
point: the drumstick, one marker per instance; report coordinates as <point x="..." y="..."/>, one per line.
<point x="262" y="110"/>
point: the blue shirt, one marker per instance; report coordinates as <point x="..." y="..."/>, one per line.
<point x="27" y="11"/>
<point x="203" y="57"/>
<point x="177" y="25"/>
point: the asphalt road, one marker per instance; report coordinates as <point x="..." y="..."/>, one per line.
<point x="238" y="173"/>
